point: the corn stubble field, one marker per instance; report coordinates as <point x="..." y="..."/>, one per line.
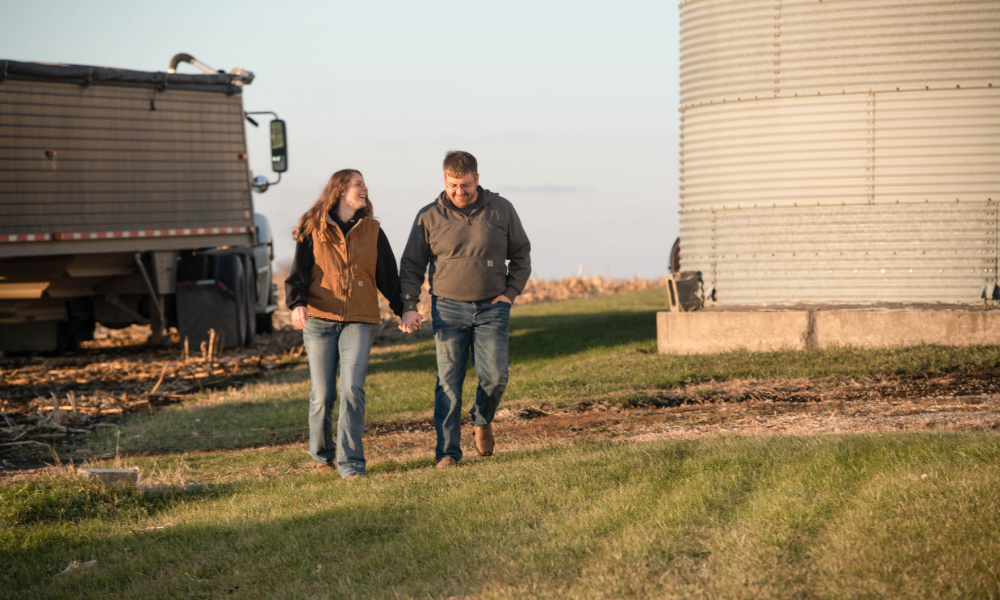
<point x="841" y="473"/>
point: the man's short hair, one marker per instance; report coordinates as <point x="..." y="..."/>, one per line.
<point x="460" y="164"/>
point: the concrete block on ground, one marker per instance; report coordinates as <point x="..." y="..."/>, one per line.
<point x="708" y="332"/>
<point x="119" y="477"/>
<point x="884" y="329"/>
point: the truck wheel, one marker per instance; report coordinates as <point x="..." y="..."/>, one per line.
<point x="251" y="300"/>
<point x="229" y="271"/>
<point x="265" y="323"/>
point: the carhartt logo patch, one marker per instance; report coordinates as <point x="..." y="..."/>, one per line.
<point x="489" y="263"/>
<point x="361" y="284"/>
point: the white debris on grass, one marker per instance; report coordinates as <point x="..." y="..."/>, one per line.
<point x="120" y="477"/>
<point x="75" y="565"/>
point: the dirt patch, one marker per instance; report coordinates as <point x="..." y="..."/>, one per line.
<point x="737" y="408"/>
<point x="119" y="373"/>
<point x="966" y="400"/>
<point x="965" y="381"/>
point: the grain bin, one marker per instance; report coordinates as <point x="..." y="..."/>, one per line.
<point x="840" y="150"/>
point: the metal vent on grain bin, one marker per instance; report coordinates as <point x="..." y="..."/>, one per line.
<point x="685" y="292"/>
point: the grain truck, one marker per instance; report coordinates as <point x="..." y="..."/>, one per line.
<point x="125" y="197"/>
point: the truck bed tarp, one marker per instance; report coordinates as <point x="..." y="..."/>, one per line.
<point x="86" y="75"/>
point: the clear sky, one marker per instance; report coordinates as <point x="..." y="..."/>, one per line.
<point x="571" y="107"/>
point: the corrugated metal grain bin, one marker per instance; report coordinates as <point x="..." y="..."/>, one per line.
<point x="840" y="150"/>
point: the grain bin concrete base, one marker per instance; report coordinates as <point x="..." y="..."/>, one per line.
<point x="767" y="329"/>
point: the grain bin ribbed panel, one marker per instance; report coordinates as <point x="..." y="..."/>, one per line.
<point x="750" y="49"/>
<point x="927" y="253"/>
<point x="840" y="151"/>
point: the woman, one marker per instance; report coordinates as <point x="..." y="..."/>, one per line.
<point x="341" y="257"/>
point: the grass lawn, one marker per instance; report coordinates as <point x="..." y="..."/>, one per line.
<point x="833" y="517"/>
<point x="595" y="349"/>
<point x="785" y="517"/>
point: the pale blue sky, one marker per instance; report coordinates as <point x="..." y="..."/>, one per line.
<point x="570" y="107"/>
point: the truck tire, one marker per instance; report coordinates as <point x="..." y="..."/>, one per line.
<point x="229" y="272"/>
<point x="265" y="322"/>
<point x="251" y="300"/>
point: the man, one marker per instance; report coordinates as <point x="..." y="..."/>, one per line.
<point x="467" y="235"/>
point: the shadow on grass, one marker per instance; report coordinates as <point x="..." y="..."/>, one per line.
<point x="197" y="560"/>
<point x="555" y="522"/>
<point x="72" y="501"/>
<point x="403" y="361"/>
<point x="199" y="428"/>
<point x="848" y="362"/>
<point x="386" y="535"/>
<point x="562" y="335"/>
<point x="543" y="337"/>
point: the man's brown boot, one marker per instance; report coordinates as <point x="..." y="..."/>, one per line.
<point x="323" y="469"/>
<point x="447" y="463"/>
<point x="484" y="440"/>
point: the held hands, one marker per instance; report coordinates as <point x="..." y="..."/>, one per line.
<point x="299" y="317"/>
<point x="411" y="322"/>
<point x="411" y="319"/>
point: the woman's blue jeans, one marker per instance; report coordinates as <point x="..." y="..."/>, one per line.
<point x="329" y="343"/>
<point x="458" y="328"/>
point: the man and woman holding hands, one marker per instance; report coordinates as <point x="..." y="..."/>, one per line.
<point x="478" y="256"/>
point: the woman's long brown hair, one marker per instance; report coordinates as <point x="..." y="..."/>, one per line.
<point x="314" y="219"/>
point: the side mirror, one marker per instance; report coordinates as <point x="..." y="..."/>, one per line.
<point x="260" y="183"/>
<point x="279" y="151"/>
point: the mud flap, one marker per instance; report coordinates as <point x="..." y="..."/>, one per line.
<point x="204" y="305"/>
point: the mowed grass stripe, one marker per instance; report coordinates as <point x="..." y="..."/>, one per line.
<point x="836" y="516"/>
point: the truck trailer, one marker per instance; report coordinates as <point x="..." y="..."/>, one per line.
<point x="126" y="197"/>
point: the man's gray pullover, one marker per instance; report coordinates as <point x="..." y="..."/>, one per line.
<point x="467" y="254"/>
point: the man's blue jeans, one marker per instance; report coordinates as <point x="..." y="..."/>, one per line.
<point x="458" y="328"/>
<point x="327" y="344"/>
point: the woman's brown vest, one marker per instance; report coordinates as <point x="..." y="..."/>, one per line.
<point x="343" y="278"/>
